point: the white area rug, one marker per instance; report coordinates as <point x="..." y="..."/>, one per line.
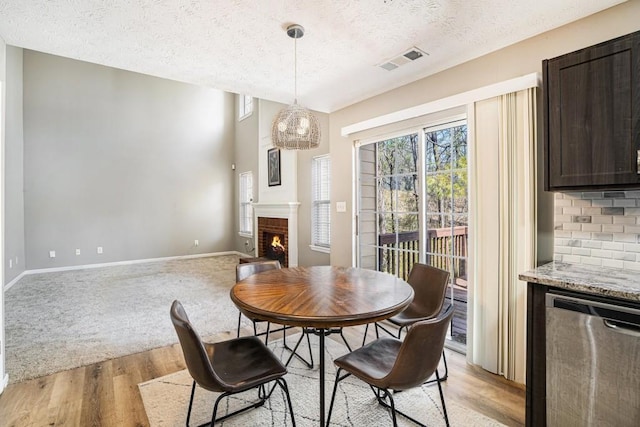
<point x="166" y="400"/>
<point x="59" y="321"/>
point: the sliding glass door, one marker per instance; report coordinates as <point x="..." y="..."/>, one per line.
<point x="412" y="207"/>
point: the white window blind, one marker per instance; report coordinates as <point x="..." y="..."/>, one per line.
<point x="321" y="209"/>
<point x="245" y="106"/>
<point x="246" y="197"/>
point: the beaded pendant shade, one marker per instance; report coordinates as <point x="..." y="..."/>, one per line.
<point x="295" y="127"/>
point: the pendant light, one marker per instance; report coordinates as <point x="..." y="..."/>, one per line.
<point x="295" y="127"/>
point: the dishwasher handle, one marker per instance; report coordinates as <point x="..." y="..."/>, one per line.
<point x="622" y="327"/>
<point x="619" y="317"/>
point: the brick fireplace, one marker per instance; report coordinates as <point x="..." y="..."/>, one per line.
<point x="279" y="219"/>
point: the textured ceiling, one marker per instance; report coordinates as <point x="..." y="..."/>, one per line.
<point x="241" y="46"/>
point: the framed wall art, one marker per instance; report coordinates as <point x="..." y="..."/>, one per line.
<point x="273" y="169"/>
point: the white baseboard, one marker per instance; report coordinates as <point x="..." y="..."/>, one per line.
<point x="14" y="281"/>
<point x="4" y="383"/>
<point x="116" y="263"/>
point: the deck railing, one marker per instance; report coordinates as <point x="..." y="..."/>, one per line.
<point x="397" y="255"/>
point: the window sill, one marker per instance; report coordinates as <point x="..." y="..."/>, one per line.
<point x="241" y="118"/>
<point x="322" y="249"/>
<point x="242" y="234"/>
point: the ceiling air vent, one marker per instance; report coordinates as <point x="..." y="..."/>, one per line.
<point x="408" y="56"/>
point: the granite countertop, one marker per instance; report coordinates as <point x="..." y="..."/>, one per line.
<point x="609" y="282"/>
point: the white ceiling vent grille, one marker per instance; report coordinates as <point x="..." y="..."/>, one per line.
<point x="406" y="57"/>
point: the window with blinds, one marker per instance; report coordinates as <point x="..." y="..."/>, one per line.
<point x="321" y="202"/>
<point x="246" y="210"/>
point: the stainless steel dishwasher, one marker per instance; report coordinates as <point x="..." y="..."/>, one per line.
<point x="593" y="362"/>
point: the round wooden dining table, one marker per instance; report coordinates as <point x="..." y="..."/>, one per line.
<point x="321" y="299"/>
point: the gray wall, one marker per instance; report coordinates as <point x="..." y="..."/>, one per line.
<point x="14" y="260"/>
<point x="138" y="165"/>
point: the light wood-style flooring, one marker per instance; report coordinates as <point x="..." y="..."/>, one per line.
<point x="106" y="393"/>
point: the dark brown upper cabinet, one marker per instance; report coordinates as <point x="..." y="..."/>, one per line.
<point x="592" y="117"/>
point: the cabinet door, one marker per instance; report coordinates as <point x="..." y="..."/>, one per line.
<point x="592" y="116"/>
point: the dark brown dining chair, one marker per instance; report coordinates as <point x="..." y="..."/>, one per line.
<point x="430" y="288"/>
<point x="249" y="269"/>
<point x="390" y="364"/>
<point x="228" y="367"/>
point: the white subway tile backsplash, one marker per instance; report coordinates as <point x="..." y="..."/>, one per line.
<point x="613" y="263"/>
<point x="572" y="226"/>
<point x="598" y="228"/>
<point x="600" y="254"/>
<point x="613" y="246"/>
<point x="572" y="259"/>
<point x="591" y="211"/>
<point x="581" y="251"/>
<point x="581" y="235"/>
<point x="590" y="260"/>
<point x="563" y="203"/>
<point x="624" y="219"/>
<point x="632" y="247"/>
<point x="624" y="256"/>
<point x="602" y="202"/>
<point x="602" y="236"/>
<point x="625" y="203"/>
<point x="602" y="219"/>
<point x="632" y="266"/>
<point x="611" y="228"/>
<point x="629" y="238"/>
<point x="581" y="202"/>
<point x="593" y="244"/>
<point x="632" y="229"/>
<point x="572" y="210"/>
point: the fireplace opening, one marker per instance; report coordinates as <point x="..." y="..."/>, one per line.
<point x="274" y="247"/>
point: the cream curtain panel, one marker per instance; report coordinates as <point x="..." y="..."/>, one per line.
<point x="503" y="214"/>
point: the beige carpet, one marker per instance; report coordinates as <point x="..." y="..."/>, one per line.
<point x="58" y="321"/>
<point x="166" y="400"/>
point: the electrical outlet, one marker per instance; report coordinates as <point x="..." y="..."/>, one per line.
<point x="196" y="243"/>
<point x="52" y="254"/>
<point x="99" y="250"/>
<point x="10" y="263"/>
<point x="77" y="251"/>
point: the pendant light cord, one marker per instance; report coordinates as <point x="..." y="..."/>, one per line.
<point x="295" y="70"/>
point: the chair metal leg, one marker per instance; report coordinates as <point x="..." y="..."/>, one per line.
<point x="215" y="409"/>
<point x="444" y="407"/>
<point x="391" y="405"/>
<point x="335" y="388"/>
<point x="193" y="390"/>
<point x="364" y="338"/>
<point x="283" y="384"/>
<point x="239" y="321"/>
